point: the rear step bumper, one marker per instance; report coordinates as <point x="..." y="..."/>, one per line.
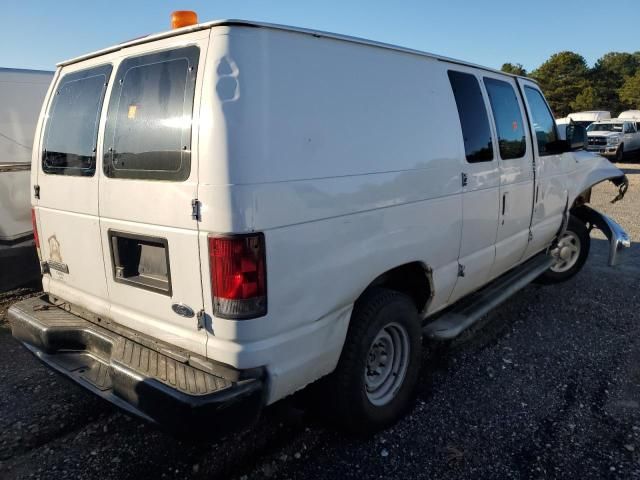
<point x="138" y="379"/>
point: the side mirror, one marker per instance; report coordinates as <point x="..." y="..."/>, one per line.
<point x="576" y="137"/>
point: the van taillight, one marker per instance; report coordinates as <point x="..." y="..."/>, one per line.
<point x="238" y="276"/>
<point x="36" y="239"/>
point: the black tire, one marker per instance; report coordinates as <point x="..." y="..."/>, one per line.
<point x="620" y="153"/>
<point x="350" y="404"/>
<point x="558" y="273"/>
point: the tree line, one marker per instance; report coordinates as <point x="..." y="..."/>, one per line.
<point x="612" y="84"/>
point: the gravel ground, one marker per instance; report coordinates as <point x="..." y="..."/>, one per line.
<point x="548" y="386"/>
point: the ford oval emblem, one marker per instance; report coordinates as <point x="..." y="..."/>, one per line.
<point x="182" y="310"/>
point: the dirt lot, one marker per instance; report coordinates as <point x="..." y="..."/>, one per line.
<point x="548" y="387"/>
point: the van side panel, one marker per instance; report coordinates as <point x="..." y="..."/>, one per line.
<point x="348" y="158"/>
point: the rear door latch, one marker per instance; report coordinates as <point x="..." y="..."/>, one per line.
<point x="195" y="210"/>
<point x="201" y="319"/>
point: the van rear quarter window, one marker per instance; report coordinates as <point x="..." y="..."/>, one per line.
<point x="508" y="118"/>
<point x="148" y="130"/>
<point x="474" y="121"/>
<point x="71" y="131"/>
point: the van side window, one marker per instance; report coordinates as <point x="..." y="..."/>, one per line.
<point x="543" y="122"/>
<point x="508" y="118"/>
<point x="478" y="145"/>
<point x="71" y="131"/>
<point x="148" y="130"/>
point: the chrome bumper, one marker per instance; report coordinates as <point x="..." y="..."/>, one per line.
<point x="618" y="238"/>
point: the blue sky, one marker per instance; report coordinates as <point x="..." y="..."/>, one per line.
<point x="39" y="33"/>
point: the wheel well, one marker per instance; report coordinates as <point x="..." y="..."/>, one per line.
<point x="413" y="279"/>
<point x="584" y="197"/>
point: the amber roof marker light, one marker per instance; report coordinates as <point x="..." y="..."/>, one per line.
<point x="183" y="18"/>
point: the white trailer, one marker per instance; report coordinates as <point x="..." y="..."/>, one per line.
<point x="21" y="96"/>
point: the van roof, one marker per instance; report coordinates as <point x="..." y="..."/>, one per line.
<point x="249" y="23"/>
<point x="590" y="111"/>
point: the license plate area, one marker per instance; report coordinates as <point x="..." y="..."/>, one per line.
<point x="141" y="261"/>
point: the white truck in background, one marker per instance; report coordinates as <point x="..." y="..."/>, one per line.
<point x="614" y="138"/>
<point x="21" y="96"/>
<point x="583" y="119"/>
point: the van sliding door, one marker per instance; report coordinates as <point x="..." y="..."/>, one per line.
<point x="480" y="183"/>
<point x="515" y="154"/>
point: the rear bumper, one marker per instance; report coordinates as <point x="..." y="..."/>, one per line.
<point x="159" y="385"/>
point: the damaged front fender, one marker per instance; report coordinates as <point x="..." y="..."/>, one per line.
<point x="623" y="185"/>
<point x="591" y="170"/>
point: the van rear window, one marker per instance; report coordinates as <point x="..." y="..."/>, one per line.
<point x="474" y="121"/>
<point x="71" y="130"/>
<point x="148" y="130"/>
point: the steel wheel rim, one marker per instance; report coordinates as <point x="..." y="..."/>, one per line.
<point x="566" y="252"/>
<point x="387" y="364"/>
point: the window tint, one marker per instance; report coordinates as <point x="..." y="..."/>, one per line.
<point x="543" y="122"/>
<point x="478" y="146"/>
<point x="508" y="118"/>
<point x="148" y="131"/>
<point x="72" y="127"/>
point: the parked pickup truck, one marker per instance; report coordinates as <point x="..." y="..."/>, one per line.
<point x="231" y="211"/>
<point x="613" y="138"/>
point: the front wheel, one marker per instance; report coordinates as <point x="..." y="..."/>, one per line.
<point x="570" y="252"/>
<point x="620" y="153"/>
<point x="375" y="379"/>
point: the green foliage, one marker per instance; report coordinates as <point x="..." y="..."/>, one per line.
<point x="514" y="68"/>
<point x="562" y="78"/>
<point x="612" y="84"/>
<point x="586" y="100"/>
<point x="630" y="91"/>
<point x="609" y="74"/>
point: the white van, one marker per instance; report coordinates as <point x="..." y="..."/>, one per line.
<point x="633" y="115"/>
<point x="231" y="211"/>
<point x="587" y="118"/>
<point x="21" y="96"/>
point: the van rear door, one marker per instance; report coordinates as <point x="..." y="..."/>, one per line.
<point x="149" y="181"/>
<point x="67" y="186"/>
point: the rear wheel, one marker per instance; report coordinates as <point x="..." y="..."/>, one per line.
<point x="570" y="252"/>
<point x="375" y="380"/>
